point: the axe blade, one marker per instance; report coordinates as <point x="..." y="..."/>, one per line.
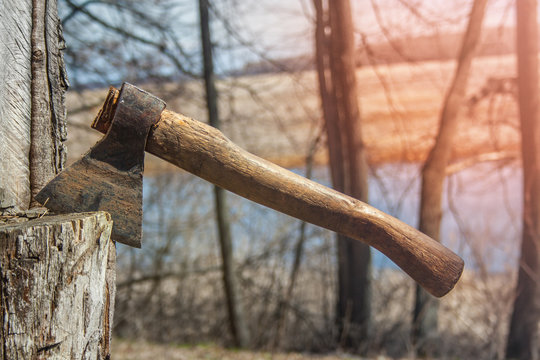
<point x="109" y="177"/>
<point x="92" y="185"/>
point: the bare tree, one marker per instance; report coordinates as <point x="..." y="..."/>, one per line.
<point x="434" y="171"/>
<point x="336" y="54"/>
<point x="237" y="322"/>
<point x="522" y="338"/>
<point x="139" y="41"/>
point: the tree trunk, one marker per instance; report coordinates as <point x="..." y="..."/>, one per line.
<point x="15" y="103"/>
<point x="522" y="337"/>
<point x="336" y="56"/>
<point x="237" y="322"/>
<point x="434" y="173"/>
<point x="58" y="286"/>
<point x="49" y="83"/>
<point x="32" y="112"/>
<point x="57" y="289"/>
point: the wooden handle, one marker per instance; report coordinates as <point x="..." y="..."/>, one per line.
<point x="207" y="153"/>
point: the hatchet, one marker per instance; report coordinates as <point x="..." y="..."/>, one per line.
<point x="109" y="177"/>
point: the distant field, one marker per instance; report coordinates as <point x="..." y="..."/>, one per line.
<point x="277" y="115"/>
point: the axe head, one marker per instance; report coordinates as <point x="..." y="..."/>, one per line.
<point x="109" y="176"/>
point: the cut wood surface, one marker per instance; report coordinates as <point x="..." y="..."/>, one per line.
<point x="207" y="153"/>
<point x="58" y="287"/>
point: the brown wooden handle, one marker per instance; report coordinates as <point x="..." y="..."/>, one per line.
<point x="207" y="153"/>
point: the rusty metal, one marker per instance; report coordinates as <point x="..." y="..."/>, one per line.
<point x="109" y="176"/>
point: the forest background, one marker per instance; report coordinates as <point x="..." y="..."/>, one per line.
<point x="269" y="103"/>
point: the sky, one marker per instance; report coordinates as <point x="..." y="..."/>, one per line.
<point x="284" y="28"/>
<point x="246" y="31"/>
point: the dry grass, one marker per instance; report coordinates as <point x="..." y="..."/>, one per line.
<point x="473" y="319"/>
<point x="129" y="350"/>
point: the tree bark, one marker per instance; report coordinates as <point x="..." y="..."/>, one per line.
<point x="336" y="56"/>
<point x="58" y="287"/>
<point x="15" y="103"/>
<point x="434" y="173"/>
<point x="32" y="112"/>
<point x="49" y="84"/>
<point x="237" y="321"/>
<point x="522" y="337"/>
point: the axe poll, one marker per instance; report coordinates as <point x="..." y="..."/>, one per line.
<point x="109" y="177"/>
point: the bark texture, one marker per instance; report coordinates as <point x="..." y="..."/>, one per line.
<point x="58" y="287"/>
<point x="49" y="84"/>
<point x="15" y="102"/>
<point x="32" y="87"/>
<point x="434" y="173"/>
<point x="58" y="277"/>
<point x="523" y="334"/>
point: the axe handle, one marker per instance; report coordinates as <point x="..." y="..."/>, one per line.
<point x="207" y="153"/>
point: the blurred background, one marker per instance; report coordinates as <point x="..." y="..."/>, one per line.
<point x="261" y="281"/>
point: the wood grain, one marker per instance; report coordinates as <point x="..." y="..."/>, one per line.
<point x="207" y="153"/>
<point x="58" y="287"/>
<point x="15" y="102"/>
<point x="48" y="128"/>
<point x="32" y="88"/>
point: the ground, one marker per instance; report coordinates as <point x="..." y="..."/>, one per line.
<point x="128" y="350"/>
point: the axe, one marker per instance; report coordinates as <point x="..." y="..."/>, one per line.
<point x="109" y="177"/>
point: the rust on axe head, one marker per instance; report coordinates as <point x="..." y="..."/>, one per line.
<point x="109" y="176"/>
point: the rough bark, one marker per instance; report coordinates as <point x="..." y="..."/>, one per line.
<point x="523" y="334"/>
<point x="58" y="287"/>
<point x="32" y="86"/>
<point x="15" y="103"/>
<point x="434" y="173"/>
<point x="237" y="321"/>
<point x="32" y="113"/>
<point x="49" y="83"/>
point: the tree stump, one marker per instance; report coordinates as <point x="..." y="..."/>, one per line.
<point x="57" y="286"/>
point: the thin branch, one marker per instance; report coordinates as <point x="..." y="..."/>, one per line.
<point x="505" y="156"/>
<point x="161" y="47"/>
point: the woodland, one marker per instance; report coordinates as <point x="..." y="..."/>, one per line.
<point x="426" y="110"/>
